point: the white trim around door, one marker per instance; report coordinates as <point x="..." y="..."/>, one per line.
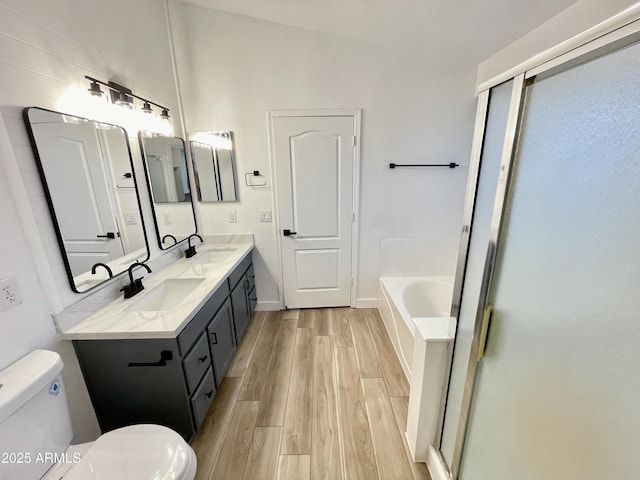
<point x="355" y="114"/>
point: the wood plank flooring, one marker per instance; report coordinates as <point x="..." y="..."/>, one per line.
<point x="312" y="394"/>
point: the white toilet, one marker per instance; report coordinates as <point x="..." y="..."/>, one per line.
<point x="35" y="434"/>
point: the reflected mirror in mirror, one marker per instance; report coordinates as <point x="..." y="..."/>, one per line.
<point x="213" y="166"/>
<point x="168" y="180"/>
<point x="204" y="172"/>
<point x="87" y="174"/>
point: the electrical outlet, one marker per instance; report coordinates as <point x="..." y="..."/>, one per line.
<point x="167" y="218"/>
<point x="264" y="215"/>
<point x="9" y="293"/>
<point x="231" y="216"/>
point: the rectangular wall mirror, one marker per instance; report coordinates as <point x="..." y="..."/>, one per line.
<point x="168" y="180"/>
<point x="87" y="174"/>
<point x="213" y="160"/>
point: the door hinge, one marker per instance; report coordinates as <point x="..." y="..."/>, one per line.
<point x="351" y="282"/>
<point x="355" y="141"/>
<point x="486" y="321"/>
<point x="353" y="216"/>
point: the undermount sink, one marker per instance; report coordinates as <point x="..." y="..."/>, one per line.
<point x="166" y="296"/>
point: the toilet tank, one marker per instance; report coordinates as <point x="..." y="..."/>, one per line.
<point x="35" y="427"/>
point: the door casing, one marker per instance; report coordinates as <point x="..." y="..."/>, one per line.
<point x="356" y="114"/>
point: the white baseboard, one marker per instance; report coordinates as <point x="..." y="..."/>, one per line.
<point x="436" y="465"/>
<point x="268" y="306"/>
<point x="367" y="303"/>
<point x="274" y="305"/>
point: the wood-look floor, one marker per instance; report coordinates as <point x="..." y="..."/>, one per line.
<point x="311" y="394"/>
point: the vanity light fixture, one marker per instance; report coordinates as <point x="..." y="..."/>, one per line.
<point x="124" y="97"/>
<point x="146" y="108"/>
<point x="123" y="100"/>
<point x="166" y="120"/>
<point x="95" y="90"/>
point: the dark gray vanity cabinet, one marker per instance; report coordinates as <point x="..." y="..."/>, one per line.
<point x="243" y="298"/>
<point x="222" y="341"/>
<point x="168" y="381"/>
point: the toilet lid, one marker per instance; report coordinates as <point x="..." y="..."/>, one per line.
<point x="137" y="452"/>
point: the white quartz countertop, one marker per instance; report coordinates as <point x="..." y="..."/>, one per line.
<point x="122" y="320"/>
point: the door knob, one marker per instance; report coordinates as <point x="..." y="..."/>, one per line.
<point x="108" y="235"/>
<point x="286" y="232"/>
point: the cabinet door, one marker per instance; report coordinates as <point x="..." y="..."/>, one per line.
<point x="222" y="341"/>
<point x="241" y="313"/>
<point x="136" y="381"/>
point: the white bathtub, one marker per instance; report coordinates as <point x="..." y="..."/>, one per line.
<point x="415" y="311"/>
<point x="406" y="302"/>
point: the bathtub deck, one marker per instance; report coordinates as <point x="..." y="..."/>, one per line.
<point x="298" y="397"/>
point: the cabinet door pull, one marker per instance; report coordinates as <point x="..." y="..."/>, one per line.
<point x="214" y="338"/>
<point x="202" y="359"/>
<point x="208" y="394"/>
<point x="165" y="355"/>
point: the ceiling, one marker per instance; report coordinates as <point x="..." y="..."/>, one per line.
<point x="473" y="29"/>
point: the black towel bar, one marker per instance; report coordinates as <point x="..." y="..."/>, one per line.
<point x="450" y="165"/>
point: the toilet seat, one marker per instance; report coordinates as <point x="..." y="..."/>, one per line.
<point x="137" y="452"/>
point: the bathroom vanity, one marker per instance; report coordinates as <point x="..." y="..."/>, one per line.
<point x="160" y="356"/>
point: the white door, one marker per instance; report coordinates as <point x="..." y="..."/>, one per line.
<point x="314" y="160"/>
<point x="78" y="186"/>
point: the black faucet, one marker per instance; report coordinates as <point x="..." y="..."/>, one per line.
<point x="175" y="240"/>
<point x="106" y="267"/>
<point x="191" y="251"/>
<point x="135" y="286"/>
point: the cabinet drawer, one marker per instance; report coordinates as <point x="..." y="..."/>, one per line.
<point x="200" y="321"/>
<point x="196" y="363"/>
<point x="202" y="398"/>
<point x="239" y="272"/>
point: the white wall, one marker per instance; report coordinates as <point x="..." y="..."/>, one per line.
<point x="45" y="48"/>
<point x="572" y="21"/>
<point x="233" y="69"/>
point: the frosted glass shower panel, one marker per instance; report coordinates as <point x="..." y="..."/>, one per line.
<point x="480" y="229"/>
<point x="558" y="391"/>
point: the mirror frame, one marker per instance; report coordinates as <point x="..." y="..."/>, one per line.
<point x="52" y="211"/>
<point x="217" y="177"/>
<point x="141" y="137"/>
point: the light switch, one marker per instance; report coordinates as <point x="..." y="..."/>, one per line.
<point x="231" y="216"/>
<point x="130" y="218"/>
<point x="264" y="215"/>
